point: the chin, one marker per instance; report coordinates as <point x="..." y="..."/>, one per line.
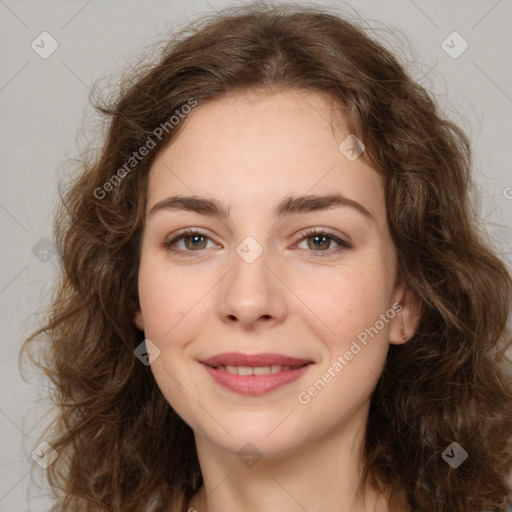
<point x="267" y="436"/>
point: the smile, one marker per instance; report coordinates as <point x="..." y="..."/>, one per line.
<point x="255" y="370"/>
<point x="241" y="381"/>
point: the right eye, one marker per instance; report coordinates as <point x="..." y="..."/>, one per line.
<point x="194" y="241"/>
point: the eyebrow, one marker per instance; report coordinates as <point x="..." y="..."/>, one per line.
<point x="288" y="206"/>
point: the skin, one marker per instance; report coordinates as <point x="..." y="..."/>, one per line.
<point x="249" y="152"/>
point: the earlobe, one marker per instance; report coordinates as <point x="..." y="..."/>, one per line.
<point x="406" y="319"/>
<point x="139" y="319"/>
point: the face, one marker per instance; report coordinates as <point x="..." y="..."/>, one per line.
<point x="273" y="321"/>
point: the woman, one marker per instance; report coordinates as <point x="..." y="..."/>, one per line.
<point x="275" y="295"/>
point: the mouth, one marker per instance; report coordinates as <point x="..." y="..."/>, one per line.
<point x="256" y="370"/>
<point x="262" y="360"/>
<point x="254" y="374"/>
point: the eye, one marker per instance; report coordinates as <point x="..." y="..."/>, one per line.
<point x="321" y="242"/>
<point x="194" y="241"/>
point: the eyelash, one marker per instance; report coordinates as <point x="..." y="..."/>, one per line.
<point x="343" y="244"/>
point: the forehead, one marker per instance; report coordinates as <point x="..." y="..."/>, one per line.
<point x="252" y="127"/>
<point x="251" y="150"/>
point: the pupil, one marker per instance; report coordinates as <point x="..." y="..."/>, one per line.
<point x="193" y="240"/>
<point x="317" y="238"/>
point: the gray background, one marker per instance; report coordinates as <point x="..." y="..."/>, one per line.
<point x="42" y="102"/>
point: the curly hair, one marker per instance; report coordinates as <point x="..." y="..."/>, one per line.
<point x="121" y="446"/>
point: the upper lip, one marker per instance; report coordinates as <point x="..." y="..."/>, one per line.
<point x="263" y="359"/>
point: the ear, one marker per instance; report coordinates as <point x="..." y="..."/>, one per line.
<point x="139" y="319"/>
<point x="407" y="317"/>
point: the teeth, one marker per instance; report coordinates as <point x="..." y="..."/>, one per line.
<point x="254" y="370"/>
<point x="261" y="370"/>
<point x="245" y="370"/>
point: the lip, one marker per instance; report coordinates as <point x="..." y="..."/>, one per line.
<point x="254" y="384"/>
<point x="263" y="359"/>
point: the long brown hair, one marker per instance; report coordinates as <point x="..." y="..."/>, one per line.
<point x="121" y="446"/>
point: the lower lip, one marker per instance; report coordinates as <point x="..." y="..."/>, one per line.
<point x="255" y="384"/>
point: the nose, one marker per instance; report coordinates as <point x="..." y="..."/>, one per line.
<point x="252" y="294"/>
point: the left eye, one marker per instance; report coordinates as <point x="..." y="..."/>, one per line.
<point x="196" y="240"/>
<point x="321" y="240"/>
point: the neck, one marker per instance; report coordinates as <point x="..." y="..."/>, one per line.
<point x="324" y="474"/>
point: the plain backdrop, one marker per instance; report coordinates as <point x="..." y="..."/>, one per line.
<point x="43" y="100"/>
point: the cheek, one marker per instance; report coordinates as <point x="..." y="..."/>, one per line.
<point x="345" y="303"/>
<point x="172" y="302"/>
<point x="355" y="342"/>
<point x="170" y="299"/>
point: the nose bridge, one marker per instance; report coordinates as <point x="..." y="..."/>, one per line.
<point x="249" y="278"/>
<point x="251" y="291"/>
